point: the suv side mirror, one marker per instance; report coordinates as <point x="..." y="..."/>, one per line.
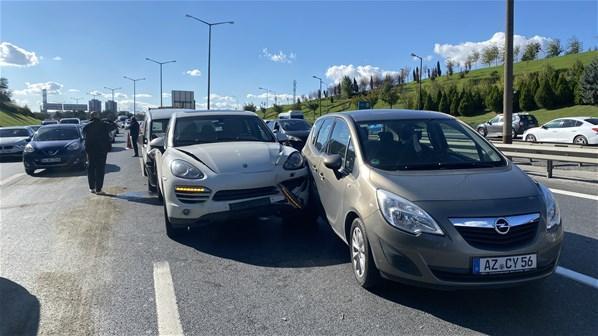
<point x="157" y="143"/>
<point x="544" y="127"/>
<point x="281" y="137"/>
<point x="333" y="161"/>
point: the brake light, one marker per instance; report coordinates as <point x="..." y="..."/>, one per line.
<point x="595" y="129"/>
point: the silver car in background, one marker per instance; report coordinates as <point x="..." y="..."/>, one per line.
<point x="422" y="198"/>
<point x="13" y="140"/>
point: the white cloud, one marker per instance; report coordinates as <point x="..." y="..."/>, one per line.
<point x="279" y="57"/>
<point x="36" y="88"/>
<point x="336" y="72"/>
<point x="458" y="53"/>
<point x="143" y="95"/>
<point x="12" y="55"/>
<point x="193" y="72"/>
<point x="219" y="102"/>
<point x="166" y="95"/>
<point x="57" y="58"/>
<point x="282" y="98"/>
<point x="74" y="90"/>
<point x="127" y="105"/>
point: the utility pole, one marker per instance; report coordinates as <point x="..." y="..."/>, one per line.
<point x="209" y="46"/>
<point x="267" y="95"/>
<point x="134" y="91"/>
<point x="507" y="129"/>
<point x="319" y="95"/>
<point x="161" y="64"/>
<point x="294" y="91"/>
<point x="419" y="79"/>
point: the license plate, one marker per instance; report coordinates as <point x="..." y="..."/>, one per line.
<point x="504" y="264"/>
<point x="250" y="204"/>
<point x="50" y="160"/>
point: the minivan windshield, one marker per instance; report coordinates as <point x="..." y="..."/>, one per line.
<point x="424" y="145"/>
<point x="226" y="128"/>
<point x="56" y="134"/>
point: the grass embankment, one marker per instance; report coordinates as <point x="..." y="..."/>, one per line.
<point x="16" y="119"/>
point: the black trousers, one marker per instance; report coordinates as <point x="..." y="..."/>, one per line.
<point x="134" y="143"/>
<point x="96" y="170"/>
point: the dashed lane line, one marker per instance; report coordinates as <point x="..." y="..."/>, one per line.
<point x="169" y="322"/>
<point x="581" y="278"/>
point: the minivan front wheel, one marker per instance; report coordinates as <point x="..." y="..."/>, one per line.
<point x="362" y="261"/>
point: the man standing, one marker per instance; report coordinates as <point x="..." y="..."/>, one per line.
<point x="97" y="146"/>
<point x="134" y="131"/>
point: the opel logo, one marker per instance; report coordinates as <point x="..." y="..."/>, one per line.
<point x="502" y="226"/>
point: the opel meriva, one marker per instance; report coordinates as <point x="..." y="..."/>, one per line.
<point x="422" y="198"/>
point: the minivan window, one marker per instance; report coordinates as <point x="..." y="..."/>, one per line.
<point x="158" y="128"/>
<point x="315" y="129"/>
<point x="426" y="144"/>
<point x="339" y="140"/>
<point x="324" y="133"/>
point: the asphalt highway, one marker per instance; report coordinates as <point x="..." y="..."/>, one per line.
<point x="74" y="263"/>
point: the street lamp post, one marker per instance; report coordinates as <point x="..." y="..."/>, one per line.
<point x="267" y="95"/>
<point x="160" y="64"/>
<point x="209" y="46"/>
<point x="419" y="79"/>
<point x="508" y="76"/>
<point x="319" y="95"/>
<point x="134" y="91"/>
<point x="112" y="89"/>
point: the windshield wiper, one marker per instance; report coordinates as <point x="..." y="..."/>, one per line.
<point x="448" y="165"/>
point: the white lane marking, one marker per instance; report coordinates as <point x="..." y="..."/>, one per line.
<point x="12" y="178"/>
<point x="582" y="278"/>
<point x="169" y="322"/>
<point x="575" y="194"/>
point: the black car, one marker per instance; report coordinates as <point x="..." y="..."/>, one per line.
<point x="55" y="146"/>
<point x="297" y="130"/>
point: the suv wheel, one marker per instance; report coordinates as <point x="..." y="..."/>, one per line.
<point x="362" y="261"/>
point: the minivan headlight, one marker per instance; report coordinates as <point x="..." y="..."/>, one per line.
<point x="184" y="169"/>
<point x="405" y="215"/>
<point x="553" y="213"/>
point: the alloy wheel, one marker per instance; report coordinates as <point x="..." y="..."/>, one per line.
<point x="358" y="252"/>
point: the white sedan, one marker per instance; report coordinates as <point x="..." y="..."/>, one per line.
<point x="577" y="130"/>
<point x="222" y="165"/>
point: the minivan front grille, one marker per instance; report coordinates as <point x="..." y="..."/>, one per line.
<point x="239" y="194"/>
<point x="489" y="238"/>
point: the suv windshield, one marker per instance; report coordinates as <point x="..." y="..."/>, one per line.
<point x="208" y="129"/>
<point x="13" y="132"/>
<point x="424" y="144"/>
<point x="56" y="134"/>
<point x="291" y="125"/>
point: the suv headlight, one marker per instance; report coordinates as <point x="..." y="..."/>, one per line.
<point x="73" y="147"/>
<point x="29" y="149"/>
<point x="184" y="169"/>
<point x="405" y="215"/>
<point x="553" y="214"/>
<point x="294" y="161"/>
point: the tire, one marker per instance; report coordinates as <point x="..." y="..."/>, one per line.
<point x="513" y="134"/>
<point x="482" y="131"/>
<point x="150" y="188"/>
<point x="171" y="231"/>
<point x="530" y="138"/>
<point x="159" y="192"/>
<point x="30" y="172"/>
<point x="580" y="140"/>
<point x="362" y="261"/>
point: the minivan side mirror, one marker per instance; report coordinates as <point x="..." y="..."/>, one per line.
<point x="333" y="161"/>
<point x="157" y="143"/>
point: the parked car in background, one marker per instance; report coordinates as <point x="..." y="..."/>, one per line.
<point x="408" y="200"/>
<point x="34" y="128"/>
<point x="13" y="140"/>
<point x="293" y="114"/>
<point x="296" y="130"/>
<point x="75" y="121"/>
<point x="49" y="122"/>
<point x="226" y="165"/>
<point x="120" y="120"/>
<point x="112" y="133"/>
<point x="55" y="146"/>
<point x="127" y="124"/>
<point x="577" y="130"/>
<point x="494" y="127"/>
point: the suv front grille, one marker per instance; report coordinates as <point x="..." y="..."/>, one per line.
<point x="489" y="239"/>
<point x="192" y="197"/>
<point x="239" y="194"/>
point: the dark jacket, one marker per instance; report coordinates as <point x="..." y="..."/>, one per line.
<point x="134" y="128"/>
<point x="97" y="137"/>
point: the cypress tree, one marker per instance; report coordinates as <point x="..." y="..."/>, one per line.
<point x="444" y="104"/>
<point x="526" y="97"/>
<point x="564" y="92"/>
<point x="545" y="96"/>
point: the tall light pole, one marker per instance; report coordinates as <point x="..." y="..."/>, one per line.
<point x="508" y="90"/>
<point x="134" y="91"/>
<point x="419" y="79"/>
<point x="319" y="95"/>
<point x="112" y="89"/>
<point x="209" y="45"/>
<point x="267" y="95"/>
<point x="76" y="99"/>
<point x="160" y="64"/>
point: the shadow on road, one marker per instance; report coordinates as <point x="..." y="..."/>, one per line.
<point x="580" y="254"/>
<point x="116" y="149"/>
<point x="136" y="197"/>
<point x="11" y="159"/>
<point x="269" y="242"/>
<point x="71" y="172"/>
<point x="19" y="310"/>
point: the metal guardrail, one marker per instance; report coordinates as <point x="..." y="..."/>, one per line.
<point x="550" y="153"/>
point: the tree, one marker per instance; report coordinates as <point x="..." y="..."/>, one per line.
<point x="355" y="87"/>
<point x="531" y="51"/>
<point x="388" y="94"/>
<point x="263" y="111"/>
<point x="371" y="83"/>
<point x="489" y="55"/>
<point x="516" y="51"/>
<point x="493" y="100"/>
<point x="545" y="96"/>
<point x="313" y="105"/>
<point x="449" y="68"/>
<point x="564" y="91"/>
<point x="297" y="105"/>
<point x="465" y="104"/>
<point x="474" y="57"/>
<point x="429" y="104"/>
<point x="588" y="83"/>
<point x="526" y="97"/>
<point x="553" y="48"/>
<point x="372" y="99"/>
<point x="444" y="104"/>
<point x="574" y="46"/>
<point x="346" y="87"/>
<point x="249" y="107"/>
<point x="363" y="84"/>
<point x="5" y="93"/>
<point x="277" y="108"/>
<point x="438" y="70"/>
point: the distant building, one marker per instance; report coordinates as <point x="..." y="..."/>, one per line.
<point x="74" y="107"/>
<point x="95" y="105"/>
<point x="183" y="99"/>
<point x="111" y="106"/>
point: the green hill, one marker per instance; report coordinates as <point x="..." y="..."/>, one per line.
<point x="16" y="119"/>
<point x="475" y="76"/>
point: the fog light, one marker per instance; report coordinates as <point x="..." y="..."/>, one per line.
<point x="190" y="189"/>
<point x="186" y="212"/>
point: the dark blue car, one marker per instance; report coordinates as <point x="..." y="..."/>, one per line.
<point x="55" y="146"/>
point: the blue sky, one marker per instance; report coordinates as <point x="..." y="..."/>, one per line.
<point x="76" y="47"/>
